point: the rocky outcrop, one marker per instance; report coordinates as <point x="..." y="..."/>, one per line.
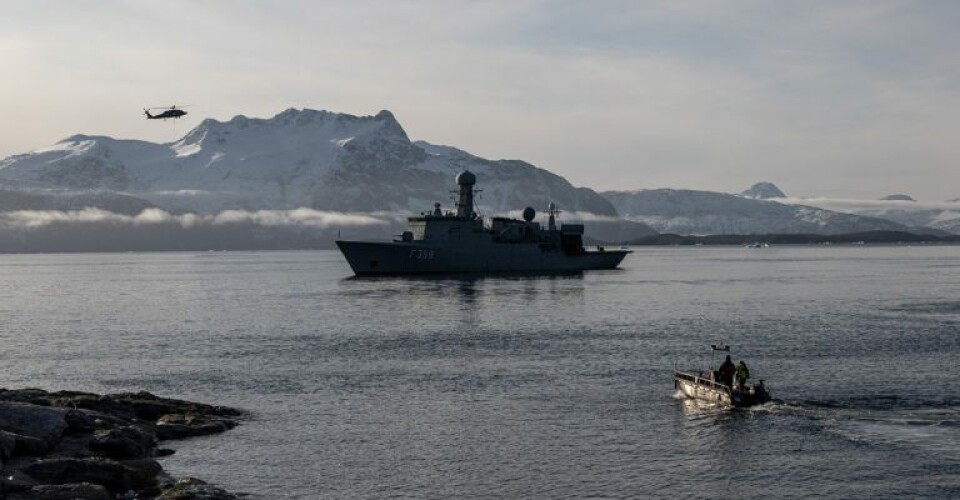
<point x="42" y="423"/>
<point x="80" y="445"/>
<point x="77" y="491"/>
<point x="192" y="488"/>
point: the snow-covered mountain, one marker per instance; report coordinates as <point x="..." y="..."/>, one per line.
<point x="940" y="215"/>
<point x="703" y="212"/>
<point x="299" y="158"/>
<point x="11" y="201"/>
<point x="338" y="163"/>
<point x="763" y="191"/>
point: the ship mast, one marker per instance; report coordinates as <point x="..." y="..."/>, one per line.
<point x="465" y="181"/>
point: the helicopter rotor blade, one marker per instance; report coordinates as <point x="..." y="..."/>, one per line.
<point x="175" y="106"/>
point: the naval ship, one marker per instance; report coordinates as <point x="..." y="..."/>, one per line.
<point x="459" y="241"/>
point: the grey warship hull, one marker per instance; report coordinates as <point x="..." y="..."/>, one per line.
<point x="439" y="242"/>
<point x="399" y="258"/>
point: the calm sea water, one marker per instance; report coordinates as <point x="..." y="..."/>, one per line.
<point x="532" y="387"/>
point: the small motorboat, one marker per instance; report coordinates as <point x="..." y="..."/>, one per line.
<point x="710" y="387"/>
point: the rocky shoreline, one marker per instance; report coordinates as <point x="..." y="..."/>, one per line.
<point x="78" y="445"/>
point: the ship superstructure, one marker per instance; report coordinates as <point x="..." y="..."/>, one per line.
<point x="460" y="242"/>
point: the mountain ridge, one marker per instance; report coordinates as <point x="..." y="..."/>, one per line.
<point x="313" y="158"/>
<point x="693" y="212"/>
<point x="328" y="161"/>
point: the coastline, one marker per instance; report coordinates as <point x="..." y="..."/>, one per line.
<point x="79" y="445"/>
<point x="868" y="238"/>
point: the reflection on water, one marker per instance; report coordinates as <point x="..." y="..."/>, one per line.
<point x="467" y="284"/>
<point x="468" y="290"/>
<point x="698" y="409"/>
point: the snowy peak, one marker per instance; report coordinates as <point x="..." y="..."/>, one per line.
<point x="293" y="125"/>
<point x="444" y="151"/>
<point x="763" y="191"/>
<point x="80" y="162"/>
<point x="390" y="124"/>
<point x="297" y="158"/>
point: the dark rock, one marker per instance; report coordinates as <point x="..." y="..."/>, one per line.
<point x="46" y="442"/>
<point x="41" y="422"/>
<point x="146" y="473"/>
<point x="95" y="402"/>
<point x="144" y="466"/>
<point x="150" y="407"/>
<point x="15" y="483"/>
<point x="8" y="443"/>
<point x="142" y="405"/>
<point x="189" y="488"/>
<point x="29" y="395"/>
<point x="80" y="491"/>
<point x="108" y="473"/>
<point x="179" y="426"/>
<point x="78" y="421"/>
<point x="12" y="444"/>
<point x="123" y="443"/>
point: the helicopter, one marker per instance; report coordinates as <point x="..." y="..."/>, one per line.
<point x="171" y="112"/>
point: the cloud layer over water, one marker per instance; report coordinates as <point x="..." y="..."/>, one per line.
<point x="304" y="217"/>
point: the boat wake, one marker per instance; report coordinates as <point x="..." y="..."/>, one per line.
<point x="930" y="426"/>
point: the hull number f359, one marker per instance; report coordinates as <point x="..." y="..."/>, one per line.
<point x="422" y="254"/>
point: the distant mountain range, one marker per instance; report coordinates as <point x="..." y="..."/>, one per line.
<point x="314" y="159"/>
<point x="940" y="216"/>
<point x="342" y="168"/>
<point x="688" y="212"/>
<point x="765" y="209"/>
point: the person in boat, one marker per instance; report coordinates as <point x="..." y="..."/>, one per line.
<point x="743" y="373"/>
<point x="727" y="371"/>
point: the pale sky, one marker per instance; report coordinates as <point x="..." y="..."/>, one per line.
<point x="842" y="99"/>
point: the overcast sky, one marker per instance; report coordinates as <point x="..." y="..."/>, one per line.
<point x="854" y="99"/>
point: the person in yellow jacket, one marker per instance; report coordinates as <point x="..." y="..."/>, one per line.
<point x="743" y="373"/>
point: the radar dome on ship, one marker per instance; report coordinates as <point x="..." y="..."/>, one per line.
<point x="466" y="178"/>
<point x="529" y="213"/>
